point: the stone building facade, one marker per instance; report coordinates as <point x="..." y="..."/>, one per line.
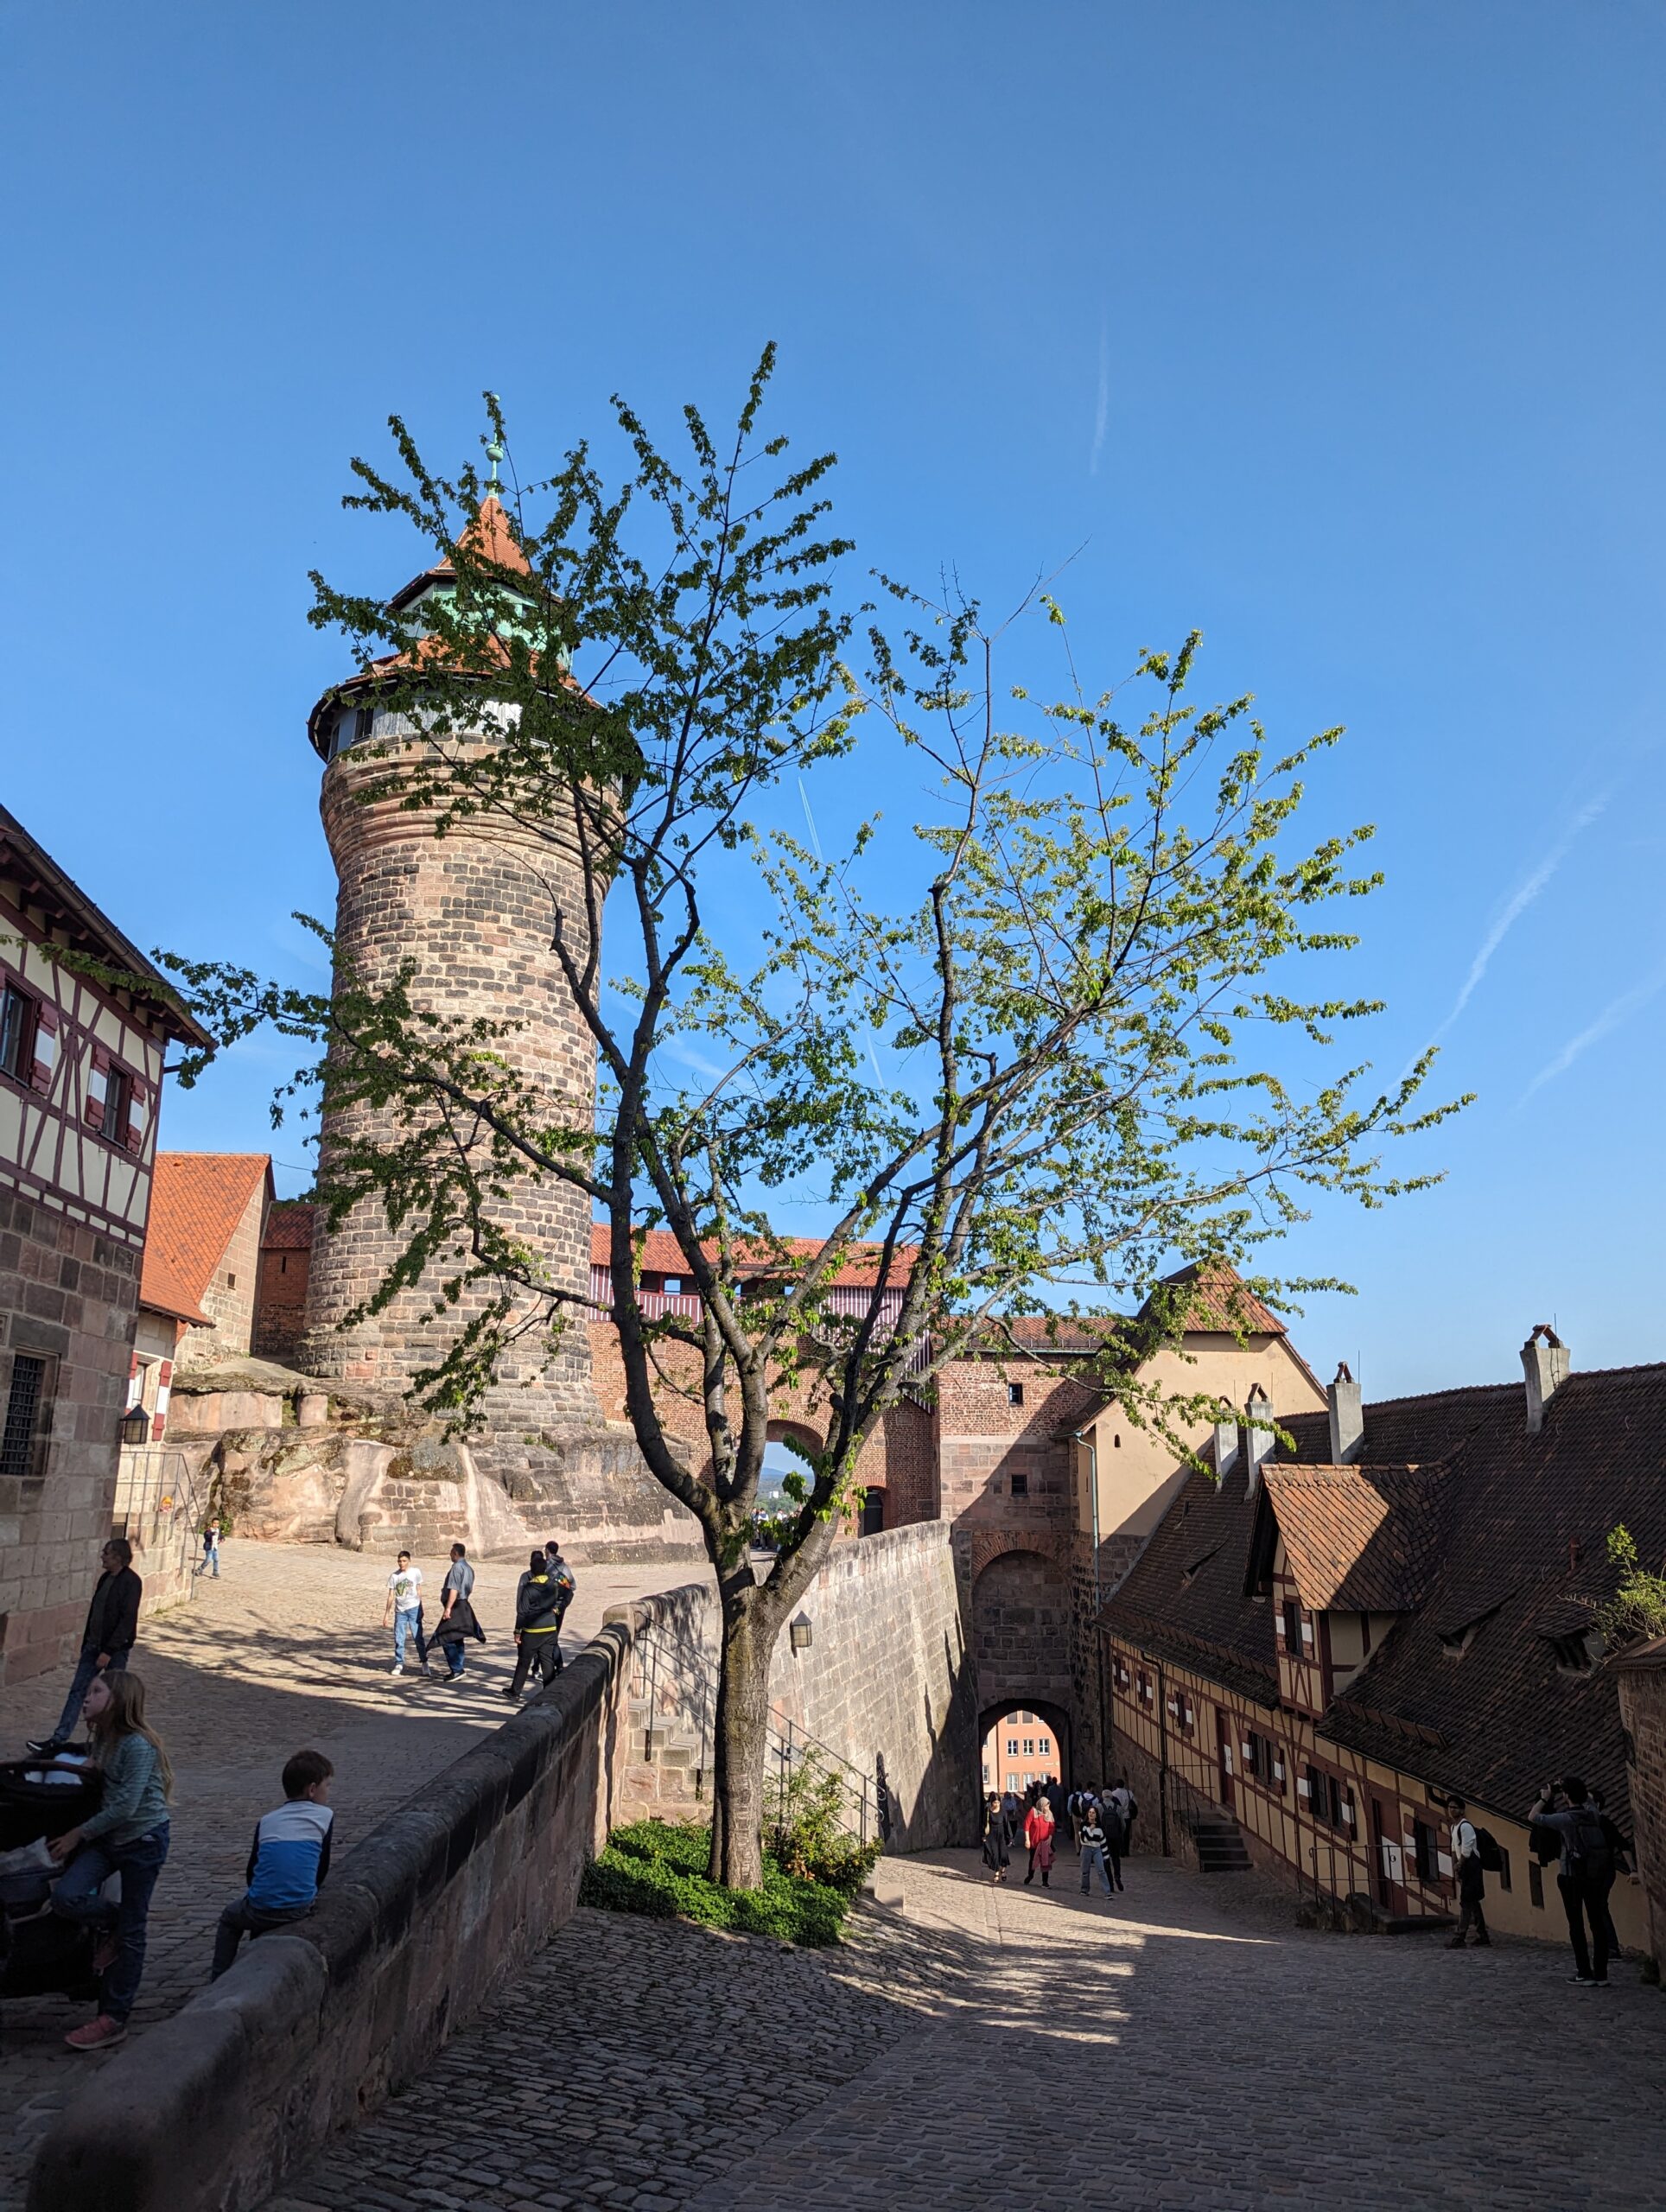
<point x="80" y="1074"/>
<point x="1641" y="1677"/>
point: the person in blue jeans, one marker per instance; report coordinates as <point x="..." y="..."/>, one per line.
<point x="128" y="1835"/>
<point x="405" y="1609"/>
<point x="112" y="1622"/>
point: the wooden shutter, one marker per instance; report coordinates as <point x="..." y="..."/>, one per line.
<point x="98" y="1083"/>
<point x="133" y="1136"/>
<point x="44" y="1049"/>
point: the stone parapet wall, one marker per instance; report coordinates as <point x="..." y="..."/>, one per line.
<point x="426" y="1920"/>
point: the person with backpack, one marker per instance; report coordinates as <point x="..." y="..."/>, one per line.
<point x="538" y="1609"/>
<point x="1467" y="1853"/>
<point x="562" y="1575"/>
<point x="1114" y="1828"/>
<point x="1591" y="1849"/>
<point x="1082" y="1803"/>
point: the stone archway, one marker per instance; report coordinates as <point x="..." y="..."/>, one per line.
<point x="1028" y="1723"/>
<point x="1022" y="1619"/>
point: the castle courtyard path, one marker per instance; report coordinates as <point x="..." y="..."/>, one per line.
<point x="1182" y="2047"/>
<point x="286" y="1650"/>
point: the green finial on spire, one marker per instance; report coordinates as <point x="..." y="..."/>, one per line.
<point x="495" y="454"/>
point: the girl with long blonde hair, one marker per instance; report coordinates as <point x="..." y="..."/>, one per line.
<point x="128" y="1835"/>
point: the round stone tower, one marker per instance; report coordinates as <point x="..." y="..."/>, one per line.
<point x="473" y="910"/>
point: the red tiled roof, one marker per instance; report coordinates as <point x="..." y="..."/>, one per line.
<point x="1220" y="1301"/>
<point x="663" y="1256"/>
<point x="488" y="538"/>
<point x="197" y="1200"/>
<point x="288" y="1226"/>
<point x="1356" y="1539"/>
<point x="1519" y="1554"/>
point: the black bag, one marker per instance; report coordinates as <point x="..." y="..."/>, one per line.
<point x="1588" y="1850"/>
<point x="1489" y="1851"/>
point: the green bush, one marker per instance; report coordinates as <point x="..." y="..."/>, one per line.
<point x="657" y="1868"/>
<point x="809" y="1838"/>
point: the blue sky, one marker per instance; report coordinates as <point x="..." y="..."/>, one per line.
<point x="1333" y="330"/>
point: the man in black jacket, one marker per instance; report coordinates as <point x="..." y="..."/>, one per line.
<point x="112" y="1622"/>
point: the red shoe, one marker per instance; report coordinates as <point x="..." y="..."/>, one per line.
<point x="102" y="2034"/>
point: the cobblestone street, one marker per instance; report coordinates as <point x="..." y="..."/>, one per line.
<point x="1187" y="2048"/>
<point x="285" y="1649"/>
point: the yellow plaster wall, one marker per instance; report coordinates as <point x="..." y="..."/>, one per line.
<point x="1139" y="1475"/>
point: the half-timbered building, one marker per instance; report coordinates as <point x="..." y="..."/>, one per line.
<point x="1319" y="1646"/>
<point x="80" y="1075"/>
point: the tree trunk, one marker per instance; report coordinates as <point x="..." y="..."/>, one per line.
<point x="740" y="1735"/>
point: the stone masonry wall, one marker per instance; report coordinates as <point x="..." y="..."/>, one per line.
<point x="431" y="1916"/>
<point x="886" y="1676"/>
<point x="69" y="1296"/>
<point x="229" y="1299"/>
<point x="474" y="910"/>
<point x="1642" y="1714"/>
<point x="281" y="1302"/>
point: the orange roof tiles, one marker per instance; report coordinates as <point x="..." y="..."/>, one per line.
<point x="663" y="1256"/>
<point x="197" y="1200"/>
<point x="1356" y="1539"/>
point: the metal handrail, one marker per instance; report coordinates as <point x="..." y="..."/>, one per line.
<point x="783" y="1737"/>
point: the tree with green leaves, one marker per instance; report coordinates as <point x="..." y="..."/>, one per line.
<point x="1083" y="964"/>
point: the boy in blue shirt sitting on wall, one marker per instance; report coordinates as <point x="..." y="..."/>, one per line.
<point x="290" y="1858"/>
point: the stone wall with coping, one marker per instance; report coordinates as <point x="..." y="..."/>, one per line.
<point x="429" y="1918"/>
<point x="434" y="1914"/>
<point x="886" y="1674"/>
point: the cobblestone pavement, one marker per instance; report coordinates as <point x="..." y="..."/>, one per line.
<point x="285" y="1649"/>
<point x="1182" y="2047"/>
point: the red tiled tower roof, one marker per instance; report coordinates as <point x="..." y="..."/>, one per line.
<point x="197" y="1199"/>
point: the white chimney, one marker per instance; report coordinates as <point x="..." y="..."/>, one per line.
<point x="1226" y="1448"/>
<point x="1347" y="1418"/>
<point x="1257" y="1437"/>
<point x="1545" y="1362"/>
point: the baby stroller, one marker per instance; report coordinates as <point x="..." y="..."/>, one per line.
<point x="40" y="1953"/>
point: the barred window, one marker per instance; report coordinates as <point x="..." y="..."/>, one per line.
<point x="23" y="1404"/>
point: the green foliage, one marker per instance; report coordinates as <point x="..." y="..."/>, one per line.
<point x="659" y="1868"/>
<point x="808" y="1837"/>
<point x="1637" y="1607"/>
<point x="1100" y="962"/>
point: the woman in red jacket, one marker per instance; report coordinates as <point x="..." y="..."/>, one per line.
<point x="1037" y="1833"/>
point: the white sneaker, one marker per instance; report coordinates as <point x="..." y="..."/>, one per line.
<point x="396" y="1670"/>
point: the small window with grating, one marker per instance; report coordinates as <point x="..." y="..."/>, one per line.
<point x="25" y="1402"/>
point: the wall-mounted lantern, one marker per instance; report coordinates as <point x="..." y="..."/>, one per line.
<point x="799" y="1630"/>
<point x="135" y="1426"/>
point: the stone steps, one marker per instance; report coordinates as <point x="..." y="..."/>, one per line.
<point x="1220" y="1847"/>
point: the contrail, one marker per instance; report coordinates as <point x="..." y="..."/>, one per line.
<point x="1101" y="408"/>
<point x="1619" y="1010"/>
<point x="1518" y="903"/>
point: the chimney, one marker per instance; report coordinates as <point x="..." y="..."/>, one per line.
<point x="1226" y="1448"/>
<point x="1545" y="1362"/>
<point x="1257" y="1437"/>
<point x="1347" y="1418"/>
